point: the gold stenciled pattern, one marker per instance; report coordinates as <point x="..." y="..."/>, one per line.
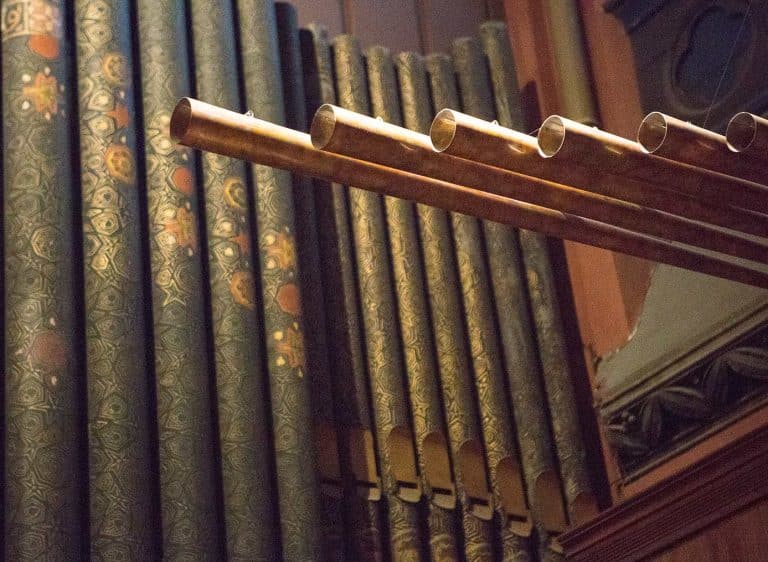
<point x="297" y="487"/>
<point x="445" y="295"/>
<point x="512" y="294"/>
<point x="415" y="328"/>
<point x="349" y="382"/>
<point x="118" y="411"/>
<point x="185" y="427"/>
<point x="498" y="425"/>
<point x="241" y="379"/>
<point x="43" y="369"/>
<point x="383" y="353"/>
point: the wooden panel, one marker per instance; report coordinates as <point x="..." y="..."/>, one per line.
<point x="443" y="20"/>
<point x="708" y="496"/>
<point x="392" y="23"/>
<point x="739" y="538"/>
<point x="608" y="288"/>
<point x="329" y="13"/>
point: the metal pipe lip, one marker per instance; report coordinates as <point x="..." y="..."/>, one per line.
<point x="652" y="132"/>
<point x="180" y="119"/>
<point x="551" y="136"/>
<point x="741" y="131"/>
<point x="443" y="130"/>
<point x="323" y="125"/>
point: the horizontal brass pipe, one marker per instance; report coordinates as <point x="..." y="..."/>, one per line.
<point x="571" y="141"/>
<point x="474" y="139"/>
<point x="675" y="139"/>
<point x="345" y="132"/>
<point x="207" y="127"/>
<point x="747" y="134"/>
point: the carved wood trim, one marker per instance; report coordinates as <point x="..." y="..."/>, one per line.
<point x="718" y="486"/>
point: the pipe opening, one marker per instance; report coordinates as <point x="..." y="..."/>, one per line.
<point x="180" y="119"/>
<point x="551" y="136"/>
<point x="323" y="125"/>
<point x="443" y="130"/>
<point x="652" y="132"/>
<point x="741" y="131"/>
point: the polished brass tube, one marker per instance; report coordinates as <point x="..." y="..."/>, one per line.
<point x="345" y="132"/>
<point x="571" y="141"/>
<point x="474" y="139"/>
<point x="207" y="127"/>
<point x="675" y="139"/>
<point x="747" y="134"/>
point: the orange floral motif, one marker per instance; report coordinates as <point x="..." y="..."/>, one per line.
<point x="121" y="115"/>
<point x="43" y="93"/>
<point x="40" y="20"/>
<point x="182" y="179"/>
<point x="183" y="228"/>
<point x="243" y="241"/>
<point x="46" y="46"/>
<point x="289" y="300"/>
<point x="119" y="162"/>
<point x="290" y="346"/>
<point x="281" y="250"/>
<point x="235" y="194"/>
<point x="114" y="68"/>
<point x="241" y="287"/>
<point x="48" y="351"/>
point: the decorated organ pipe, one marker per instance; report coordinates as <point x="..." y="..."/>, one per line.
<point x="115" y="359"/>
<point x="359" y="465"/>
<point x="442" y="273"/>
<point x="185" y="425"/>
<point x="416" y="331"/>
<point x="241" y="380"/>
<point x="298" y="489"/>
<point x="549" y="330"/>
<point x="326" y="444"/>
<point x="43" y="364"/>
<point x="395" y="440"/>
<point x="518" y="336"/>
<point x="504" y="466"/>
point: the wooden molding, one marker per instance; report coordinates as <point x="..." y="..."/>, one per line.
<point x="713" y="489"/>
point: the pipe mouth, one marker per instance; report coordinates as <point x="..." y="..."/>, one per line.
<point x="323" y="126"/>
<point x="653" y="132"/>
<point x="443" y="130"/>
<point x="180" y="119"/>
<point x="741" y="131"/>
<point x="551" y="136"/>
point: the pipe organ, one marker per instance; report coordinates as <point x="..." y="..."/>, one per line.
<point x="335" y="332"/>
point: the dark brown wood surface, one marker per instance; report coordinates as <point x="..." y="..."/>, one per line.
<point x="401" y="25"/>
<point x="712" y="511"/>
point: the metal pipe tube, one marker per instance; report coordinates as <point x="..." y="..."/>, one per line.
<point x="207" y="127"/>
<point x="678" y="140"/>
<point x="358" y="136"/>
<point x="571" y="141"/>
<point x="747" y="134"/>
<point x="474" y="139"/>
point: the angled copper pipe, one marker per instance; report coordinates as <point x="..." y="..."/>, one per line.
<point x="345" y="132"/>
<point x="675" y="139"/>
<point x="474" y="139"/>
<point x="568" y="140"/>
<point x="207" y="127"/>
<point x="747" y="134"/>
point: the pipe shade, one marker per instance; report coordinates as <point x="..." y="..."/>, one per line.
<point x="345" y="132"/>
<point x="207" y="127"/>
<point x="681" y="141"/>
<point x="571" y="141"/>
<point x="748" y="134"/>
<point x="474" y="139"/>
